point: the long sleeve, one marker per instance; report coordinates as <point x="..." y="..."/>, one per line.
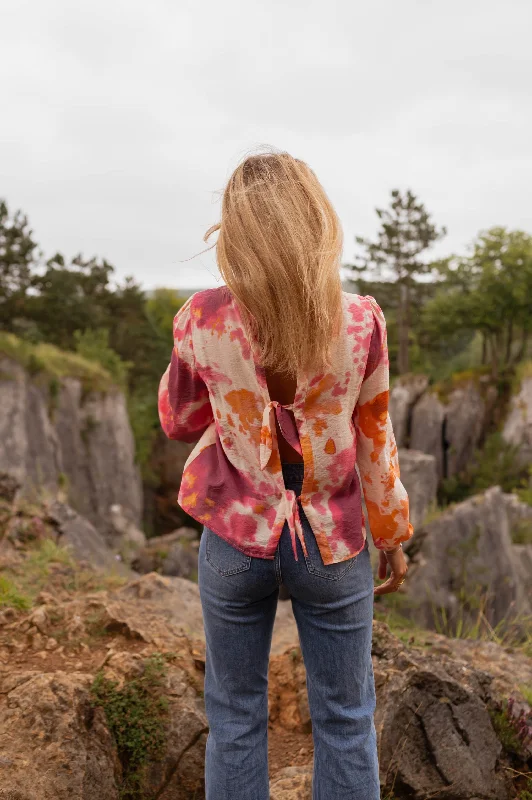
<point x="184" y="405"/>
<point x="377" y="456"/>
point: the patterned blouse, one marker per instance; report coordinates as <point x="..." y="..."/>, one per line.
<point x="215" y="390"/>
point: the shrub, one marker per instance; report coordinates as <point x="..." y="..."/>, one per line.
<point x="136" y="714"/>
<point x="496" y="464"/>
<point x="94" y="346"/>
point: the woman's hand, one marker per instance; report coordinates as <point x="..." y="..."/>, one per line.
<point x="398" y="569"/>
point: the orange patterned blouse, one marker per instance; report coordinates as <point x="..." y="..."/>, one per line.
<point x="214" y="390"/>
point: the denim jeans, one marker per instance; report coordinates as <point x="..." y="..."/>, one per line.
<point x="333" y="608"/>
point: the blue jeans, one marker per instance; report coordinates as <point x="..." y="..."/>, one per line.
<point x="333" y="608"/>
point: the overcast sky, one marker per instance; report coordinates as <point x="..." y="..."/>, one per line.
<point x="121" y="120"/>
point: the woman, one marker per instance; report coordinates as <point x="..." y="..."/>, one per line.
<point x="283" y="378"/>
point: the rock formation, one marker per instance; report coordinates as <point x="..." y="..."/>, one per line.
<point x="464" y="565"/>
<point x="57" y="435"/>
<point x="448" y="425"/>
<point x="517" y="429"/>
<point x="420" y="479"/>
<point x="406" y="392"/>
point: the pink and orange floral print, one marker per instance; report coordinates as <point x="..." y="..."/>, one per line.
<point x="214" y="392"/>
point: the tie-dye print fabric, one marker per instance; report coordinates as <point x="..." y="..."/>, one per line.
<point x="215" y="390"/>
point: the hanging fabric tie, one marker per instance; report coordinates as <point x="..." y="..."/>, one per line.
<point x="290" y="433"/>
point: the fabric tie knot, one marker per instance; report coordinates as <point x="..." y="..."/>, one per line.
<point x="294" y="522"/>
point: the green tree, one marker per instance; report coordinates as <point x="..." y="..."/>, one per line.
<point x="161" y="309"/>
<point x="17" y="256"/>
<point x="489" y="291"/>
<point x="406" y="232"/>
<point x="71" y="297"/>
<point x="93" y="344"/>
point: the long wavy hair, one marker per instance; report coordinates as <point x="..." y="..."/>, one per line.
<point x="278" y="250"/>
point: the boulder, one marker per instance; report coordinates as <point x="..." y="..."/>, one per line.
<point x="426" y="433"/>
<point x="54" y="745"/>
<point x="405" y="393"/>
<point x="435" y="733"/>
<point x="126" y="538"/>
<point x="292" y="783"/>
<point x="433" y="724"/>
<point x="55" y="435"/>
<point x="84" y="541"/>
<point x="420" y="479"/>
<point x="171" y="554"/>
<point x="517" y="428"/>
<point x="464" y="565"/>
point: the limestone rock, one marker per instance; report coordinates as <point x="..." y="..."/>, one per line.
<point x="420" y="479"/>
<point x="70" y="440"/>
<point x="156" y="609"/>
<point x="171" y="554"/>
<point x="84" y="541"/>
<point x="465" y="419"/>
<point x="292" y="783"/>
<point x="125" y="537"/>
<point x="465" y="561"/>
<point x="403" y="396"/>
<point x="436" y="738"/>
<point x="54" y="745"/>
<point x="517" y="429"/>
<point x="426" y="434"/>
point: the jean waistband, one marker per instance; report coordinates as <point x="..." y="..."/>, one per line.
<point x="293" y="476"/>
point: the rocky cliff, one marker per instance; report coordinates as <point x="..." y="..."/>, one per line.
<point x="468" y="568"/>
<point x="450" y="422"/>
<point x="58" y="432"/>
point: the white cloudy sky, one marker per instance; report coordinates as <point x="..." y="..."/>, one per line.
<point x="121" y="119"/>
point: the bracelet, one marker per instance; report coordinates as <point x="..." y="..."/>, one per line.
<point x="391" y="552"/>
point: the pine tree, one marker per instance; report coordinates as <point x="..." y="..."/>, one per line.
<point x="406" y="232"/>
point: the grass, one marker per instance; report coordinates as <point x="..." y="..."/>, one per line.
<point x="50" y="361"/>
<point x="10" y="595"/>
<point x="136" y="714"/>
<point x="526" y="691"/>
<point x="505" y="731"/>
<point x="393" y="610"/>
<point x="49" y="565"/>
<point x="510" y="632"/>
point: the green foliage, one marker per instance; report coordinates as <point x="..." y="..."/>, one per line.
<point x="526" y="691"/>
<point x="488" y="292"/>
<point x="496" y="464"/>
<point x="17" y="255"/>
<point x="55" y="363"/>
<point x="406" y="232"/>
<point x="161" y="309"/>
<point x="67" y="298"/>
<point x="93" y="344"/>
<point x="10" y="595"/>
<point x="136" y="714"/>
<point x="505" y="731"/>
<point x="522" y="532"/>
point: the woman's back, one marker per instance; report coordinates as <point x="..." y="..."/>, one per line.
<point x="236" y="464"/>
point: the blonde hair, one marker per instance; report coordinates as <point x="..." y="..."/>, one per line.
<point x="279" y="250"/>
